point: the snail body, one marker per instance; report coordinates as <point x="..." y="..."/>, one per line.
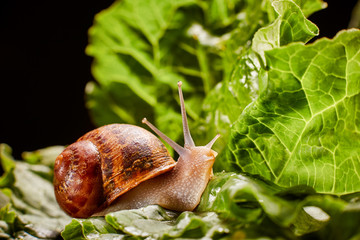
<point x="121" y="166"/>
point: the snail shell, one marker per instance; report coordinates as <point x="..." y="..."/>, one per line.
<point x="105" y="163"/>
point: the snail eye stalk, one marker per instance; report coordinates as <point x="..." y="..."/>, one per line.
<point x="179" y="149"/>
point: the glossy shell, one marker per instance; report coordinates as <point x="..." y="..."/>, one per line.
<point x="78" y="181"/>
<point x="105" y="163"/>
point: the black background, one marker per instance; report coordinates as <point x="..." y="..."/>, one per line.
<point x="44" y="69"/>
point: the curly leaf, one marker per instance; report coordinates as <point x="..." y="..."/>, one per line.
<point x="151" y="222"/>
<point x="304" y="127"/>
<point x="250" y="201"/>
<point x="92" y="228"/>
<point x="28" y="205"/>
<point x="239" y="87"/>
<point x="290" y="26"/>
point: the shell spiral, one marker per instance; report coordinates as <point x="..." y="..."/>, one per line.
<point x="105" y="163"/>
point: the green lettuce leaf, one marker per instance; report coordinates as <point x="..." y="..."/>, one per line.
<point x="272" y="211"/>
<point x="92" y="228"/>
<point x="151" y="222"/>
<point x="28" y="206"/>
<point x="250" y="200"/>
<point x="290" y="26"/>
<point x="282" y="22"/>
<point x="159" y="223"/>
<point x="303" y="128"/>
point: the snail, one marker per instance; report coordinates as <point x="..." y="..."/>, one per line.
<point x="121" y="166"/>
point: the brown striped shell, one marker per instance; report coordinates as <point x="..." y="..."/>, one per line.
<point x="105" y="163"/>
